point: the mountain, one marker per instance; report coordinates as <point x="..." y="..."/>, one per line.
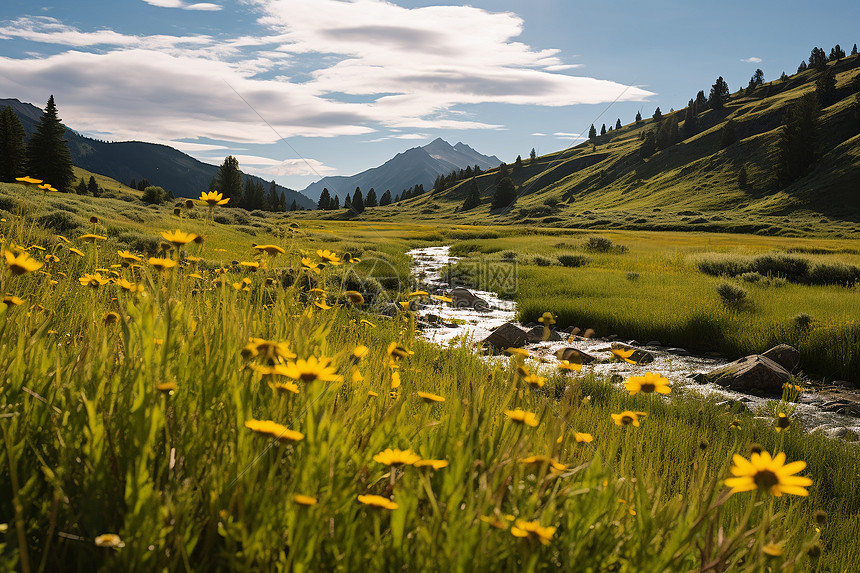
<point x="126" y="160"/>
<point x="719" y="173"/>
<point x="419" y="165"/>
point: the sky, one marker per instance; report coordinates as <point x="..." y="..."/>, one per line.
<point x="301" y="89"/>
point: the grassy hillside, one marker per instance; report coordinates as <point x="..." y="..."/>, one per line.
<point x="690" y="186"/>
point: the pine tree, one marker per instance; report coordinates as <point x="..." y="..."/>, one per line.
<point x="143" y="184"/>
<point x="798" y="140"/>
<point x="836" y="53"/>
<point x="701" y="101"/>
<point x="618" y="123"/>
<point x="592" y="133"/>
<point x="347" y="202"/>
<point x="13" y="152"/>
<point x="518" y="164"/>
<point x="638" y="117"/>
<point x="274" y="202"/>
<point x="133" y="184"/>
<point x="358" y="201"/>
<point x="48" y="156"/>
<point x="324" y="203"/>
<point x="293" y="206"/>
<point x="532" y="155"/>
<point x="93" y="187"/>
<point x="603" y="129"/>
<point x="817" y="59"/>
<point x="228" y="180"/>
<point x="82" y="187"/>
<point x="801" y="67"/>
<point x="371" y="200"/>
<point x="385" y="200"/>
<point x="335" y="205"/>
<point x="854" y="50"/>
<point x="506" y="193"/>
<point x="719" y="94"/>
<point x="783" y="77"/>
<point x="473" y="199"/>
<point x="283" y="202"/>
<point x="396" y="199"/>
<point x="658" y="115"/>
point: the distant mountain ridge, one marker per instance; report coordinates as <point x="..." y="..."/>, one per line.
<point x="416" y="166"/>
<point x="161" y="165"/>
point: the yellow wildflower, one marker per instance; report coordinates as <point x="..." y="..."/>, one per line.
<point x="768" y="475"/>
<point x="277" y="431"/>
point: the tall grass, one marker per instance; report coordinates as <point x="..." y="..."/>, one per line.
<point x="135" y="425"/>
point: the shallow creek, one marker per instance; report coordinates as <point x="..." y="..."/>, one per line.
<point x="454" y="326"/>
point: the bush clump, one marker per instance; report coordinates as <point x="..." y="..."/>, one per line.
<point x="603" y="245"/>
<point x="61" y="222"/>
<point x="833" y="273"/>
<point x="752" y="277"/>
<point x="573" y="260"/>
<point x="542" y="261"/>
<point x="803" y="321"/>
<point x="632" y="276"/>
<point x="730" y="294"/>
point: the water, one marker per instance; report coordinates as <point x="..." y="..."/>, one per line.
<point x="466" y="325"/>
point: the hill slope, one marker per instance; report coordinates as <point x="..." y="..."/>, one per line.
<point x="419" y="165"/>
<point x="691" y="185"/>
<point x="126" y="160"/>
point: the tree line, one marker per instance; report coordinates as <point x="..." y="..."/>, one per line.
<point x="358" y="202"/>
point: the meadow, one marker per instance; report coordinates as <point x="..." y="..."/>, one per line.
<point x="172" y="403"/>
<point x="663" y="286"/>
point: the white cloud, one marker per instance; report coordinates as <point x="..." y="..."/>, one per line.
<point x="183" y="5"/>
<point x="752" y="60"/>
<point x="539" y="134"/>
<point x="297" y="167"/>
<point x="411" y="67"/>
<point x="565" y="135"/>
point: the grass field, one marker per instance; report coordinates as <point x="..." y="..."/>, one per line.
<point x="655" y="290"/>
<point x="175" y="434"/>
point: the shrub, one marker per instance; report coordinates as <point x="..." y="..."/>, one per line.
<point x="751" y="277"/>
<point x="632" y="276"/>
<point x="603" y="245"/>
<point x="833" y="273"/>
<point x="153" y="195"/>
<point x="792" y="268"/>
<point x="573" y="260"/>
<point x="731" y="294"/>
<point x="509" y="255"/>
<point x="803" y="321"/>
<point x="724" y="265"/>
<point x="542" y="261"/>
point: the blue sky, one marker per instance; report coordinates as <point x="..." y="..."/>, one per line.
<point x="350" y="83"/>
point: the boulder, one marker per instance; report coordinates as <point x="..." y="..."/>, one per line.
<point x="752" y="374"/>
<point x="639" y="356"/>
<point x="784" y="355"/>
<point x="536" y="334"/>
<point x="508" y="335"/>
<point x="464" y="298"/>
<point x="574" y="355"/>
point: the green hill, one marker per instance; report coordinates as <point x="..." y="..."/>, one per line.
<point x="692" y="185"/>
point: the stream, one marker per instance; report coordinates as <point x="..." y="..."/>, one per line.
<point x="448" y="325"/>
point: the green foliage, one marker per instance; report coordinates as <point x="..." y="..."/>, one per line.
<point x="473" y="199"/>
<point x="731" y="295"/>
<point x="719" y="94"/>
<point x="598" y="244"/>
<point x="825" y="88"/>
<point x="371" y="200"/>
<point x="12" y="148"/>
<point x="573" y="260"/>
<point x="48" y="156"/>
<point x="592" y="133"/>
<point x="154" y="195"/>
<point x="228" y="180"/>
<point x="324" y="203"/>
<point x="505" y="194"/>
